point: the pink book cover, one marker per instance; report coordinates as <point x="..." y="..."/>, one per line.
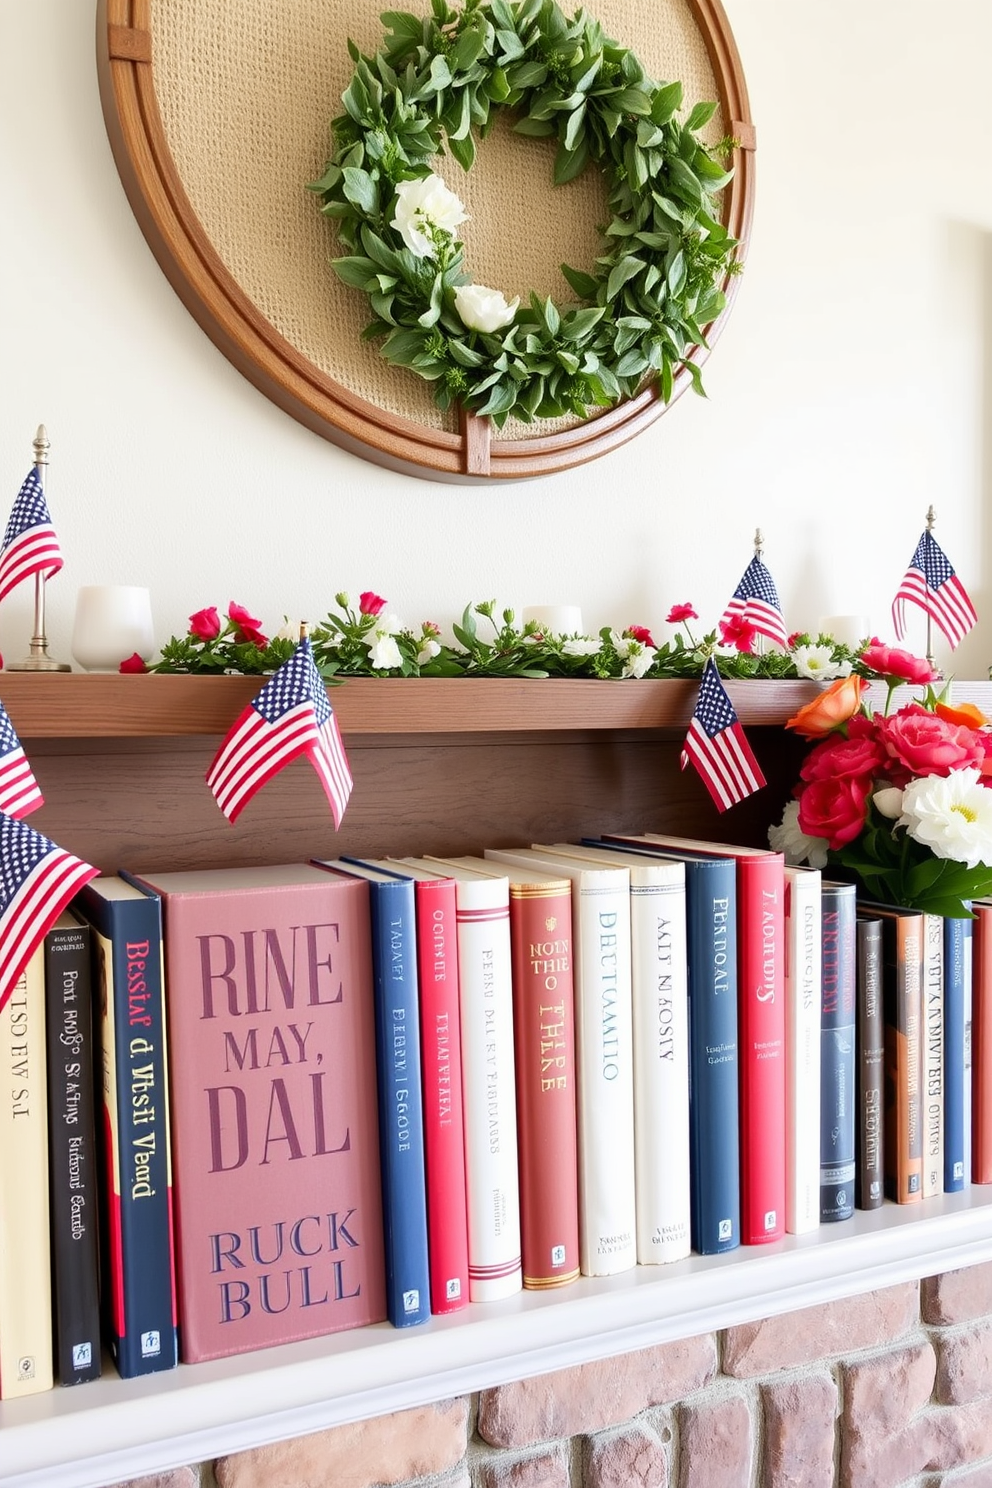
<point x="273" y="1104"/>
<point x="444" y="1124"/>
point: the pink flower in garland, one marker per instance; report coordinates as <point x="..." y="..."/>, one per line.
<point x="680" y="613"/>
<point x="246" y="626"/>
<point x="134" y="663"/>
<point x="370" y="603"/>
<point x="640" y="633"/>
<point x="205" y="624"/>
<point x="738" y="632"/>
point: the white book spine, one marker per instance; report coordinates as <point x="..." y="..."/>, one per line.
<point x="803" y="941"/>
<point x="26" y="1361"/>
<point x="933" y="1055"/>
<point x="486" y="1005"/>
<point x="659" y="984"/>
<point x="604" y="1048"/>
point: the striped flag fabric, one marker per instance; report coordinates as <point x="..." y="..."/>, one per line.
<point x="19" y="793"/>
<point x="289" y="717"/>
<point x="715" y="745"/>
<point x="756" y="600"/>
<point x="931" y="583"/>
<point x="29" y="542"/>
<point x="37" y="880"/>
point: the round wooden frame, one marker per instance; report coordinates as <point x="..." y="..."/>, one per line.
<point x="283" y="373"/>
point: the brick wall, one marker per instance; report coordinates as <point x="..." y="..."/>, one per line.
<point x="889" y="1389"/>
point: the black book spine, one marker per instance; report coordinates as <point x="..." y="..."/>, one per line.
<point x="72" y="1152"/>
<point x="869" y="1177"/>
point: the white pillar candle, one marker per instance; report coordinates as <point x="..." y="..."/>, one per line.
<point x="558" y="619"/>
<point x="113" y="621"/>
<point x="846" y="630"/>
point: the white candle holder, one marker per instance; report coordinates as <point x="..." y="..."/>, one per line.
<point x="113" y="621"/>
<point x="558" y="619"/>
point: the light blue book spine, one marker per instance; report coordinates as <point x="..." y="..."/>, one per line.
<point x="957" y="1114"/>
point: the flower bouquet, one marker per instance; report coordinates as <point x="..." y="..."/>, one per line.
<point x="899" y="800"/>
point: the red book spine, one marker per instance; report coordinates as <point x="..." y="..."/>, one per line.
<point x="441" y="1068"/>
<point x="981" y="1050"/>
<point x="544" y="1048"/>
<point x="761" y="994"/>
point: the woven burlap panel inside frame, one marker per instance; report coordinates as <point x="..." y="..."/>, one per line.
<point x="246" y="91"/>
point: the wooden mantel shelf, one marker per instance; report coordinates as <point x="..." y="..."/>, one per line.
<point x="80" y="705"/>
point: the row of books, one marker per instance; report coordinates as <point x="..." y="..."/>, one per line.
<point x="398" y="1087"/>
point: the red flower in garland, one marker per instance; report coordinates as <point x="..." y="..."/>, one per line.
<point x="680" y="613"/>
<point x="246" y="626"/>
<point x="370" y="603"/>
<point x="640" y="633"/>
<point x="134" y="663"/>
<point x="205" y="624"/>
<point x="738" y="632"/>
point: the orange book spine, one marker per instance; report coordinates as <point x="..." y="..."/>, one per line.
<point x="981" y="1047"/>
<point x="903" y="1059"/>
<point x="544" y="1044"/>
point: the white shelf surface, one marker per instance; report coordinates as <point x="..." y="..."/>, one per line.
<point x="112" y="1430"/>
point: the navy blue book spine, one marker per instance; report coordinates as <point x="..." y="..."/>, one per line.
<point x="401" y="1119"/>
<point x="837" y="1052"/>
<point x="714" y="1129"/>
<point x="139" y="1295"/>
<point x="956" y="935"/>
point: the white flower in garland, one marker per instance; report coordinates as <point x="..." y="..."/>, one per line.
<point x="483" y="309"/>
<point x="428" y="649"/>
<point x="581" y="646"/>
<point x="384" y="653"/>
<point x="636" y="657"/>
<point x="817" y="663"/>
<point x="950" y="814"/>
<point x="424" y="208"/>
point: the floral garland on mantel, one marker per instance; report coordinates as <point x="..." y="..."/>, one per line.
<point x="644" y="306"/>
<point x="369" y="641"/>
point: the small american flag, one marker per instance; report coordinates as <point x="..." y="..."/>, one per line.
<point x="931" y="583"/>
<point x="289" y="717"/>
<point x="29" y="543"/>
<point x="19" y="793"/>
<point x="756" y="601"/>
<point x="37" y="880"/>
<point x="716" y="746"/>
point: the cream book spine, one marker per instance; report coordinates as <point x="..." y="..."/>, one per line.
<point x="660" y="1005"/>
<point x="933" y="1055"/>
<point x="25" y="1252"/>
<point x="803" y="951"/>
<point x="604" y="1058"/>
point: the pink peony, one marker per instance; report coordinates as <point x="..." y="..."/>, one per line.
<point x="858" y="756"/>
<point x="917" y="742"/>
<point x="897" y="666"/>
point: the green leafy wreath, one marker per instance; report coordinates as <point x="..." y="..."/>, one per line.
<point x="657" y="285"/>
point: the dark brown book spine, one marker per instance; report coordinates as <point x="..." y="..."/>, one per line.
<point x="870" y="1131"/>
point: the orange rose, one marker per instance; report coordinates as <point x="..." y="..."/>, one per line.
<point x="834" y="706"/>
<point x="964" y="714"/>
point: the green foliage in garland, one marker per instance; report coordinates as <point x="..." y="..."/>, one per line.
<point x="435" y="87"/>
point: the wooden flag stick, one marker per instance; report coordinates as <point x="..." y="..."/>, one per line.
<point x="38" y="659"/>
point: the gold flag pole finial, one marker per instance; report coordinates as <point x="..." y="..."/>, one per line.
<point x="38" y="659"/>
<point x="304" y="629"/>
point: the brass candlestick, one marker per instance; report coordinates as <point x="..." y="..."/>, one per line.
<point x="38" y="659"/>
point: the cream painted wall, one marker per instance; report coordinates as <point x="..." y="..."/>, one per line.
<point x="850" y="388"/>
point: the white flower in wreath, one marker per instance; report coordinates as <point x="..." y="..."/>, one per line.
<point x="483" y="309"/>
<point x="581" y="646"/>
<point x="636" y="657"/>
<point x="424" y="208"/>
<point x="428" y="649"/>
